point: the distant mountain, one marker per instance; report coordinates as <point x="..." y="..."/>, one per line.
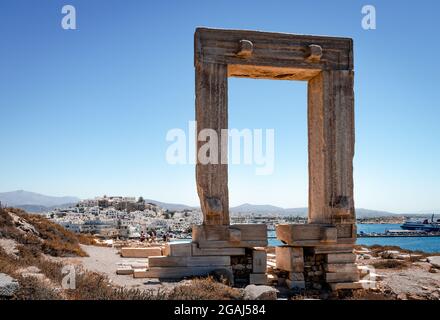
<point x="366" y="213"/>
<point x="300" y="212"/>
<point x="256" y="208"/>
<point x="25" y="198"/>
<point x="35" y="202"/>
<point x="40" y="209"/>
<point x="171" y="206"/>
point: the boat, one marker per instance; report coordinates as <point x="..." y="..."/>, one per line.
<point x="422" y="225"/>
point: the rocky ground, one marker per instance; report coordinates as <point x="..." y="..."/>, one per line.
<point x="402" y="274"/>
<point x="399" y="274"/>
<point x="34" y="253"/>
<point x="105" y="260"/>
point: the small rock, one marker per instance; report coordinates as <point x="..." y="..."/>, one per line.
<point x="433" y="270"/>
<point x="403" y="257"/>
<point x="254" y="292"/>
<point x="8" y="285"/>
<point x="434" y="261"/>
<point x="224" y="276"/>
<point x="402" y="296"/>
<point x="389" y="254"/>
<point x="23" y="225"/>
<point x="317" y="286"/>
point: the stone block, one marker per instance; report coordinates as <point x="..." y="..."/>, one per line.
<point x="341" y="277"/>
<point x="296" y="276"/>
<point x="337" y="248"/>
<point x="259" y="260"/>
<point x="341" y="258"/>
<point x="289" y="259"/>
<point x="182" y="261"/>
<point x="346" y="230"/>
<point x="232" y="233"/>
<point x="329" y="234"/>
<point x="257" y="278"/>
<point x="196" y="251"/>
<point x="230" y="244"/>
<point x="178" y="249"/>
<point x="295" y="284"/>
<point x="306" y="234"/>
<point x="128" y="252"/>
<point x="340" y="267"/>
<point x="124" y="271"/>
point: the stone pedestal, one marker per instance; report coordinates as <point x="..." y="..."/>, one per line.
<point x="317" y="255"/>
<point x="236" y="250"/>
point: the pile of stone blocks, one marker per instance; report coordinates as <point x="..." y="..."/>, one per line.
<point x="317" y="255"/>
<point x="237" y="250"/>
<point x="143" y="252"/>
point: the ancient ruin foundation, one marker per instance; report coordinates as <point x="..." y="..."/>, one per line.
<point x="326" y="63"/>
<point x="315" y="254"/>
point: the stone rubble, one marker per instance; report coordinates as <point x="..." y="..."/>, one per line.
<point x="8" y="285"/>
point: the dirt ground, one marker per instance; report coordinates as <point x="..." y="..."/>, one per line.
<point x="105" y="260"/>
<point x="414" y="280"/>
<point x="406" y="279"/>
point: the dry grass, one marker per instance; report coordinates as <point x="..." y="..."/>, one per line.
<point x="34" y="289"/>
<point x="53" y="240"/>
<point x="204" y="289"/>
<point x="93" y="286"/>
<point x="366" y="295"/>
<point x="376" y="249"/>
<point x="390" y="264"/>
<point x="89" y="285"/>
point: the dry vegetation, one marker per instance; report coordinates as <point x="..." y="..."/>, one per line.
<point x="204" y="289"/>
<point x="44" y="238"/>
<point x="376" y="249"/>
<point x="390" y="264"/>
<point x="51" y="238"/>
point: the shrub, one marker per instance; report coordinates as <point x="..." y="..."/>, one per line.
<point x="204" y="289"/>
<point x="33" y="289"/>
<point x="390" y="264"/>
<point x="94" y="286"/>
<point x="53" y="240"/>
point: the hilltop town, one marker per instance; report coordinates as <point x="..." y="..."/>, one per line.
<point x="124" y="217"/>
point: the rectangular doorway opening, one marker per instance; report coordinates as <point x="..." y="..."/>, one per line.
<point x="267" y="185"/>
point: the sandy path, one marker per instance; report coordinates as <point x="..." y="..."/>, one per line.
<point x="105" y="260"/>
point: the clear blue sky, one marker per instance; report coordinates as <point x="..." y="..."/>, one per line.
<point x="85" y="112"/>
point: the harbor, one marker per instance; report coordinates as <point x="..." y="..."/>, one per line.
<point x="398" y="233"/>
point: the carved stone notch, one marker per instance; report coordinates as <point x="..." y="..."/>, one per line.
<point x="246" y="48"/>
<point x="313" y="53"/>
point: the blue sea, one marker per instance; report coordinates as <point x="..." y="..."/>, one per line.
<point x="426" y="244"/>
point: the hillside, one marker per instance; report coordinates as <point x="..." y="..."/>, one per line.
<point x="32" y="262"/>
<point x="23" y="198"/>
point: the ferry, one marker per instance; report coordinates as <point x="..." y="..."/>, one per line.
<point x="422" y="225"/>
